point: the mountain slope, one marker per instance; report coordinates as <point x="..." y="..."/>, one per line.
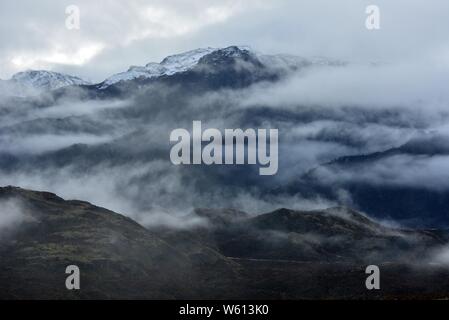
<point x="332" y="235"/>
<point x="233" y="257"/>
<point x="397" y="184"/>
<point x="233" y="66"/>
<point x="35" y="82"/>
<point x="46" y="80"/>
<point x="41" y="234"/>
<point x="289" y="254"/>
<point x="169" y="66"/>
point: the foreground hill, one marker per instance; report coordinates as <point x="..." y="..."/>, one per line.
<point x="41" y="234"/>
<point x="283" y="254"/>
<point x="333" y="235"/>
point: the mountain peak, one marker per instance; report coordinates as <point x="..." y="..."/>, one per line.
<point x="46" y="80"/>
<point x="218" y="59"/>
<point x="172" y="64"/>
<point x="183" y="61"/>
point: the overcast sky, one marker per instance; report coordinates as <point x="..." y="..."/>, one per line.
<point x="116" y="34"/>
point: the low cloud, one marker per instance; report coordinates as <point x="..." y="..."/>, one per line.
<point x="322" y="113"/>
<point x="440" y="256"/>
<point x="12" y="215"/>
<point x="411" y="85"/>
<point x="414" y="171"/>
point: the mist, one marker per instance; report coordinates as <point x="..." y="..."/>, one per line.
<point x="114" y="152"/>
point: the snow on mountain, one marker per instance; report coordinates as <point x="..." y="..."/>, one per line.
<point x="186" y="61"/>
<point x="169" y="66"/>
<point x="45" y="80"/>
<point x="34" y="82"/>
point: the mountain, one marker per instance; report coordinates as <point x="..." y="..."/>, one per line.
<point x="192" y="73"/>
<point x="169" y="66"/>
<point x="211" y="68"/>
<point x="333" y="235"/>
<point x="32" y="82"/>
<point x="108" y="143"/>
<point x="46" y="80"/>
<point x="41" y="234"/>
<point x="387" y="184"/>
<point x="123" y="123"/>
<point x="42" y="80"/>
<point x="209" y="61"/>
<point x="282" y="254"/>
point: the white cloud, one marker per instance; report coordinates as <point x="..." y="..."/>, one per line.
<point x="409" y="85"/>
<point x="11" y="214"/>
<point x="57" y="56"/>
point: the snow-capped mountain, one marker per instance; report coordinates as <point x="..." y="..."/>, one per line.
<point x="46" y="80"/>
<point x="170" y="65"/>
<point x="188" y="60"/>
<point x="33" y="82"/>
<point x="37" y="81"/>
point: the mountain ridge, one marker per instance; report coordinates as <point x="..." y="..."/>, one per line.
<point x="32" y="82"/>
<point x="402" y="203"/>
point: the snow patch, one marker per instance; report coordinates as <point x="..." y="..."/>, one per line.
<point x="170" y="65"/>
<point x="45" y="80"/>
